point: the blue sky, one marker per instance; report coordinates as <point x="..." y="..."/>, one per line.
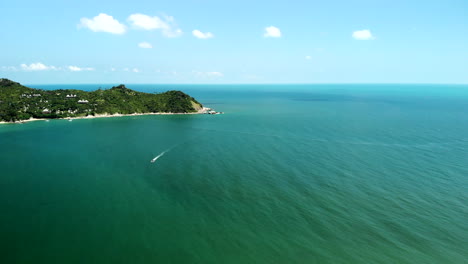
<point x="205" y="41"/>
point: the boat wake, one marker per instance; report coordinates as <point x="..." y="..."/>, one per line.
<point x="169" y="149"/>
<point x="158" y="156"/>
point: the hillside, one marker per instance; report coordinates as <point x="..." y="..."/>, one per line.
<point x="18" y="102"/>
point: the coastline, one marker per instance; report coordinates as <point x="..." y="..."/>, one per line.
<point x="203" y="110"/>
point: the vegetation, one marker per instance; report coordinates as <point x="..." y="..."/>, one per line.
<point x="18" y="102"/>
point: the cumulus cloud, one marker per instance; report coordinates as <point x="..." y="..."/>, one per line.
<point x="136" y="70"/>
<point x="198" y="34"/>
<point x="37" y="67"/>
<point x="146" y="22"/>
<point x="364" y="34"/>
<point x="103" y="23"/>
<point x="77" y="69"/>
<point x="308" y="57"/>
<point x="145" y="45"/>
<point x="272" y="32"/>
<point x="166" y="24"/>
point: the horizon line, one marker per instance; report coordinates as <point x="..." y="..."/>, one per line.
<point x="229" y="84"/>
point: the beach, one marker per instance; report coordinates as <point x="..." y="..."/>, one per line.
<point x="200" y="111"/>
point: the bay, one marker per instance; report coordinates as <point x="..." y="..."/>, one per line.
<point x="289" y="174"/>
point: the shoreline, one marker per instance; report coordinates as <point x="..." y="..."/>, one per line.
<point x="201" y="111"/>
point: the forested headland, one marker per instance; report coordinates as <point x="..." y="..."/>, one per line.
<point x="18" y="102"/>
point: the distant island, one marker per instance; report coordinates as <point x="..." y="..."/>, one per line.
<point x="19" y="103"/>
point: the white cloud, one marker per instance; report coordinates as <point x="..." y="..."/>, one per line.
<point x="167" y="25"/>
<point x="77" y="69"/>
<point x="364" y="34"/>
<point x="212" y="74"/>
<point x="198" y="34"/>
<point x="145" y="45"/>
<point x="272" y="32"/>
<point x="146" y="22"/>
<point x="308" y="57"/>
<point x="103" y="23"/>
<point x="113" y="69"/>
<point x="136" y="70"/>
<point x="37" y="67"/>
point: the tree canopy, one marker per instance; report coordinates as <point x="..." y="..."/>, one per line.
<point x="18" y="102"/>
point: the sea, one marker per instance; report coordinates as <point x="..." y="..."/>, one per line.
<point x="335" y="173"/>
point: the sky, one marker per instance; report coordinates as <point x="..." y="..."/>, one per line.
<point x="205" y="41"/>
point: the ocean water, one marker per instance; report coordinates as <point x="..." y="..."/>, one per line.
<point x="290" y="174"/>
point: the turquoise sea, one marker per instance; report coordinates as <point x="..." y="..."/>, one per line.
<point x="289" y="174"/>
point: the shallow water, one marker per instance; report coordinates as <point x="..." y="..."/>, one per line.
<point x="290" y="174"/>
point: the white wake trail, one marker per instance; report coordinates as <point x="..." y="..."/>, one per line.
<point x="158" y="156"/>
<point x="169" y="149"/>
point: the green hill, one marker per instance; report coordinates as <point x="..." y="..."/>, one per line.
<point x="18" y="102"/>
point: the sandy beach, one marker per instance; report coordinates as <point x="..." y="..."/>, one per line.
<point x="201" y="111"/>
